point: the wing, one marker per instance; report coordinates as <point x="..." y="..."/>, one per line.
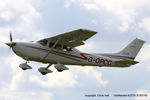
<point x="71" y="39"/>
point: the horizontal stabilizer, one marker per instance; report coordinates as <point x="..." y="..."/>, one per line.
<point x="125" y="63"/>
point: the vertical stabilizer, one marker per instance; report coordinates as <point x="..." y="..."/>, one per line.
<point x="132" y="49"/>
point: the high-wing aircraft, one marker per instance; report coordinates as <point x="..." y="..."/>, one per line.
<point x="60" y="50"/>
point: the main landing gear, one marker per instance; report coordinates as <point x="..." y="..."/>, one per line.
<point x="45" y="70"/>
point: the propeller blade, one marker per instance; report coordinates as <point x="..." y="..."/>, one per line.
<point x="9" y="49"/>
<point x="10" y="44"/>
<point x="10" y="37"/>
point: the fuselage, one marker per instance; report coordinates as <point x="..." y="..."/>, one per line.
<point x="34" y="51"/>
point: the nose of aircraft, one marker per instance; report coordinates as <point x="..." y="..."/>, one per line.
<point x="9" y="44"/>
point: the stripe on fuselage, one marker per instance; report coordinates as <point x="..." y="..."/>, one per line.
<point x="61" y="54"/>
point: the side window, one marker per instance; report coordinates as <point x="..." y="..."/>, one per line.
<point x="58" y="46"/>
<point x="51" y="44"/>
<point x="66" y="48"/>
<point x="69" y="49"/>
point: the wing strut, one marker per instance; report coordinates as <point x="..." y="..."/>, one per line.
<point x="51" y="48"/>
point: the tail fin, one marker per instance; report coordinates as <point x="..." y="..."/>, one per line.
<point x="132" y="49"/>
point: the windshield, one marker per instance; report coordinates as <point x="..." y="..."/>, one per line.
<point x="43" y="42"/>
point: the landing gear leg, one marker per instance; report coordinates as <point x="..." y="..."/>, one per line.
<point x="26" y="62"/>
<point x="48" y="66"/>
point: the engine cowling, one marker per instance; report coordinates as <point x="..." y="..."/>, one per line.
<point x="60" y="67"/>
<point x="24" y="66"/>
<point x="44" y="70"/>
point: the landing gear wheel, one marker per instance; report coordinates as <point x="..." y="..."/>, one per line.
<point x="24" y="69"/>
<point x="59" y="70"/>
<point x="44" y="70"/>
<point x="25" y="66"/>
<point x="43" y="73"/>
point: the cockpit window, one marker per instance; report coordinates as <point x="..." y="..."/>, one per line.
<point x="51" y="44"/>
<point x="43" y="42"/>
<point x="60" y="47"/>
<point x="66" y="48"/>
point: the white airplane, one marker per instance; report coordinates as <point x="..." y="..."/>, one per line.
<point x="60" y="50"/>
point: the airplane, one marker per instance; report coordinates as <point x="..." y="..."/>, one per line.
<point x="60" y="50"/>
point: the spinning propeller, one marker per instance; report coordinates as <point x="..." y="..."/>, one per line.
<point x="10" y="44"/>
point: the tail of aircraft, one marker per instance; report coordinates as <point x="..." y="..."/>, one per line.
<point x="132" y="49"/>
<point x="127" y="55"/>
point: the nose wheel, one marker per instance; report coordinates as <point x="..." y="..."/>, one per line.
<point x="25" y="66"/>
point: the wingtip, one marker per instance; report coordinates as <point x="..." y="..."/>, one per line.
<point x="88" y="30"/>
<point x="140" y="40"/>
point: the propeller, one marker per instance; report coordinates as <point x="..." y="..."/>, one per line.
<point x="10" y="37"/>
<point x="10" y="44"/>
